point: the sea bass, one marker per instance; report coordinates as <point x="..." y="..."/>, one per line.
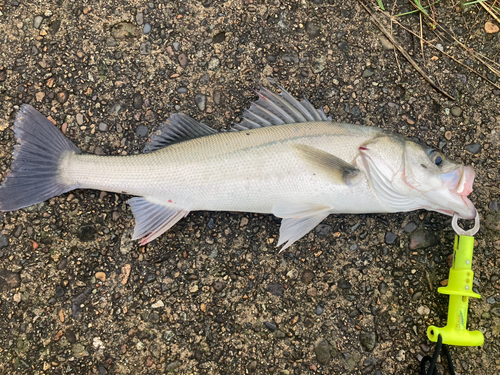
<point x="285" y="157"/>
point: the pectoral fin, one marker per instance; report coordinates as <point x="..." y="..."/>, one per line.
<point x="299" y="218"/>
<point x="152" y="220"/>
<point x="337" y="169"/>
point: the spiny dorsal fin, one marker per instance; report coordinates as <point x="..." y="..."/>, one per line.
<point x="337" y="169"/>
<point x="178" y="128"/>
<point x="271" y="109"/>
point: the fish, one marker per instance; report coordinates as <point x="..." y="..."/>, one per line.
<point x="285" y="158"/>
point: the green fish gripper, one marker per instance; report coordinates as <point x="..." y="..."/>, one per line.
<point x="459" y="289"/>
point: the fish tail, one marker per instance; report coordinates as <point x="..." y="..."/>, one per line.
<point x="35" y="170"/>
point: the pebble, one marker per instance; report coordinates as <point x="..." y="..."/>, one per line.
<point x="307" y="277"/>
<point x="271" y="58"/>
<point x="244" y="221"/>
<point x="62" y="97"/>
<point x="213" y="63"/>
<point x="201" y="101"/>
<point x="4" y="241"/>
<point x="252" y="367"/>
<point x="383" y="288"/>
<point x="473" y="148"/>
<point x="322" y="351"/>
<point x="219" y="286"/>
<point x="319" y="310"/>
<point x="291" y="58"/>
<point x="312" y="29"/>
<point x="86" y="233"/>
<point x="456" y="111"/>
<point x="139" y="18"/>
<point x="312" y="292"/>
<point x="176" y="45"/>
<point x="137" y="101"/>
<point x="493" y="206"/>
<point x="323" y="230"/>
<point x="276" y="289"/>
<point x="9" y="280"/>
<point x="386" y="43"/>
<point x="217" y="96"/>
<point x="146" y="29"/>
<point x="79" y="119"/>
<point x="37" y="22"/>
<point x="157" y="304"/>
<point x="219" y="38"/>
<point x="142" y="131"/>
<point x="193" y="288"/>
<point x="145" y="48"/>
<point x="182" y="90"/>
<point x="423" y="310"/>
<point x="422" y="239"/>
<point x="368" y="340"/>
<point x="172" y="366"/>
<point x="115" y="108"/>
<point x="410" y="227"/>
<point x="100" y="276"/>
<point x="368" y="72"/>
<point x="103" y="127"/>
<point x="390" y="238"/>
<point x="183" y="60"/>
<point x="344" y="284"/>
<point x="205" y="79"/>
<point x="491" y="300"/>
<point x="270" y="326"/>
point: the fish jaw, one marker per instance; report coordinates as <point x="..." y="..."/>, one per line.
<point x="457" y="186"/>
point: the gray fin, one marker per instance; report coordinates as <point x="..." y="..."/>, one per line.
<point x="339" y="170"/>
<point x="152" y="220"/>
<point x="178" y="128"/>
<point x="272" y="109"/>
<point x="299" y="218"/>
<point x="34" y="172"/>
<point x="292" y="229"/>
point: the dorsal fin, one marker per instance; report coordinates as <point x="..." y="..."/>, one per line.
<point x="178" y="128"/>
<point x="271" y="109"/>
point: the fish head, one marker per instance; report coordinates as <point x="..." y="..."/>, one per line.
<point x="408" y="175"/>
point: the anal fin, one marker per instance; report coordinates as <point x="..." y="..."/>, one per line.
<point x="152" y="220"/>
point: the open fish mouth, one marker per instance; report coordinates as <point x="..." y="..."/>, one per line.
<point x="459" y="184"/>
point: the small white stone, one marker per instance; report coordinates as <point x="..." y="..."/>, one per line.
<point x="157" y="304"/>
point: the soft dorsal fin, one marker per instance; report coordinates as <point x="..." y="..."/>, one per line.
<point x="178" y="128"/>
<point x="340" y="171"/>
<point x="271" y="109"/>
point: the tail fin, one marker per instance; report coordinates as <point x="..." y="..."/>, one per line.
<point x="34" y="172"/>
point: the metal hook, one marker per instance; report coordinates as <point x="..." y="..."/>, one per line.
<point x="460" y="231"/>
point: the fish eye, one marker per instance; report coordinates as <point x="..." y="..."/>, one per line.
<point x="436" y="157"/>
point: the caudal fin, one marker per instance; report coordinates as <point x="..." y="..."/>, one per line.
<point x="34" y="172"/>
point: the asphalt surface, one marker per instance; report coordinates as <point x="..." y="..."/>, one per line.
<point x="213" y="295"/>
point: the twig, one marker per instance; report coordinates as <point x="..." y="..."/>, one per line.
<point x="450" y="56"/>
<point x="403" y="52"/>
<point x="490" y="11"/>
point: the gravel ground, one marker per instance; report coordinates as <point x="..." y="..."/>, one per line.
<point x="213" y="296"/>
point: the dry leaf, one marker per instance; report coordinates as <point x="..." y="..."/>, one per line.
<point x="491" y="28"/>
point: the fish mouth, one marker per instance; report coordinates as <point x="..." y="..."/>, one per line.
<point x="459" y="186"/>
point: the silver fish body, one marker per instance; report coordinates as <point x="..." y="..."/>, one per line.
<point x="301" y="171"/>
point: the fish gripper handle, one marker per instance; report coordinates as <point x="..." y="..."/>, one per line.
<point x="459" y="289"/>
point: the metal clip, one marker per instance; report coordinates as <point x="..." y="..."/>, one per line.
<point x="460" y="231"/>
